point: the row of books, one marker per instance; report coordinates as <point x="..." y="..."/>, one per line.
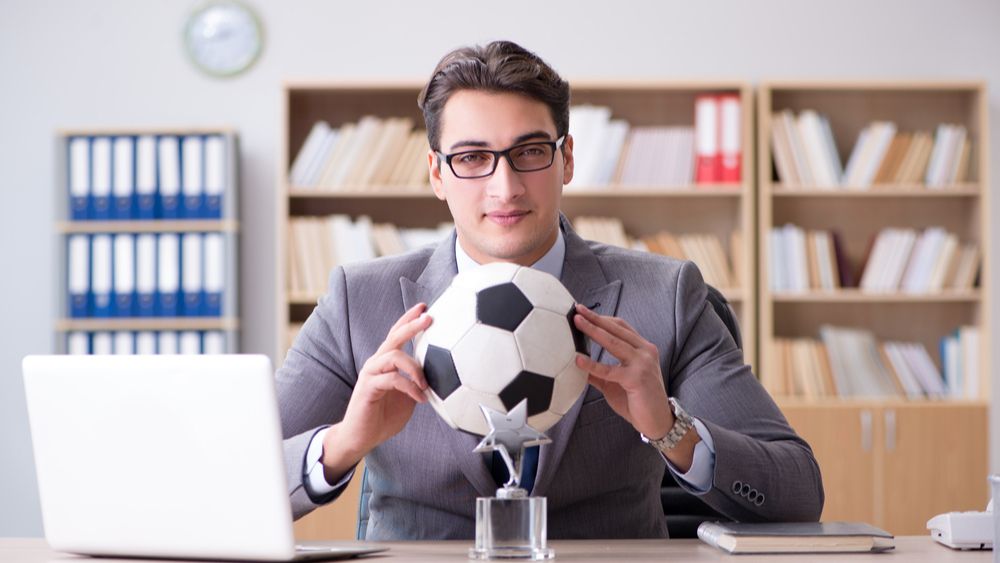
<point x="128" y="177"/>
<point x="124" y="342"/>
<point x="705" y="250"/>
<point x="146" y="275"/>
<point x="805" y="154"/>
<point x="610" y="151"/>
<point x="319" y="244"/>
<point x="372" y="152"/>
<point x="906" y="260"/>
<point x="850" y="362"/>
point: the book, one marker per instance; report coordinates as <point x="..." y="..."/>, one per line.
<point x="795" y="537"/>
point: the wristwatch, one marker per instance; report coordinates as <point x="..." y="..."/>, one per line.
<point x="682" y="423"/>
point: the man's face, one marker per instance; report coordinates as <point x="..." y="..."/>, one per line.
<point x="510" y="216"/>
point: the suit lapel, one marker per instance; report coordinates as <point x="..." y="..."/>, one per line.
<point x="585" y="280"/>
<point x="433" y="281"/>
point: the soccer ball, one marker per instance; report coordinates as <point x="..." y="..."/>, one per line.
<point x="502" y="333"/>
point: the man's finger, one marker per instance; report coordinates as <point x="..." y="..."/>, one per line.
<point x="395" y="381"/>
<point x="596" y="369"/>
<point x="404" y="332"/>
<point x="397" y="360"/>
<point x="613" y="325"/>
<point x="613" y="344"/>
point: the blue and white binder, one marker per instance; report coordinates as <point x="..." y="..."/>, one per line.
<point x="145" y="275"/>
<point x="78" y="343"/>
<point x="78" y="284"/>
<point x="145" y="343"/>
<point x="101" y="275"/>
<point x="190" y="342"/>
<point x="145" y="177"/>
<point x="100" y="187"/>
<point x="79" y="178"/>
<point x="123" y="180"/>
<point x="215" y="175"/>
<point x="191" y="274"/>
<point x="213" y="342"/>
<point x="169" y="169"/>
<point x="102" y="344"/>
<point x="166" y="342"/>
<point x="124" y="280"/>
<point x="124" y="343"/>
<point x="168" y="274"/>
<point x="192" y="177"/>
<point x="215" y="274"/>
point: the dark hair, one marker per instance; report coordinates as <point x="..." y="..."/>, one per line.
<point x="500" y="66"/>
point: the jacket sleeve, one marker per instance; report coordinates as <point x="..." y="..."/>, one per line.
<point x="314" y="386"/>
<point x="763" y="470"/>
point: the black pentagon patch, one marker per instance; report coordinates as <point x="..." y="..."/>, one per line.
<point x="579" y="338"/>
<point x="502" y="306"/>
<point x="439" y="369"/>
<point x="527" y="385"/>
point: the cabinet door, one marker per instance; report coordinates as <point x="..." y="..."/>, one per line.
<point x="935" y="461"/>
<point x="842" y="439"/>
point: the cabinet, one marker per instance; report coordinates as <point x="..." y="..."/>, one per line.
<point x="147" y="229"/>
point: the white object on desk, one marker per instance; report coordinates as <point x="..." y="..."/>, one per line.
<point x="963" y="530"/>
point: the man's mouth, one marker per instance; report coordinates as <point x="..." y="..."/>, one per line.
<point x="506" y="218"/>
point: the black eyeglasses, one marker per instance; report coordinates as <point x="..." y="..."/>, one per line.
<point x="480" y="163"/>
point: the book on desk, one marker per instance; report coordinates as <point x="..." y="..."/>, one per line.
<point x="795" y="537"/>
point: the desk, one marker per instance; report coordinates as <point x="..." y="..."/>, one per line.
<point x="909" y="549"/>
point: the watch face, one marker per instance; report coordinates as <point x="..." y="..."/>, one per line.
<point x="223" y="38"/>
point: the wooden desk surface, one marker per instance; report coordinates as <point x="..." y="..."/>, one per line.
<point x="911" y="549"/>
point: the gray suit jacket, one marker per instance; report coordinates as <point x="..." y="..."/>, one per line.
<point x="601" y="480"/>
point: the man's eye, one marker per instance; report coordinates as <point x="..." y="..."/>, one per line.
<point x="471" y="158"/>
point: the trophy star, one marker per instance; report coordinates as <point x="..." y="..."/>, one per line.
<point x="510" y="430"/>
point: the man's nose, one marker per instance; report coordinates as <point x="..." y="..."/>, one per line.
<point x="505" y="183"/>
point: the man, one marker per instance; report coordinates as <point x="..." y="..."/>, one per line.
<point x="497" y="120"/>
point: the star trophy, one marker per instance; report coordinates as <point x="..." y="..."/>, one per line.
<point x="511" y="525"/>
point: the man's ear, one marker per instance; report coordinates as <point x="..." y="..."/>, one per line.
<point x="434" y="168"/>
<point x="567" y="150"/>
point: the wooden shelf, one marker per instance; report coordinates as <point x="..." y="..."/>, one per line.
<point x="150" y="226"/>
<point x="706" y="190"/>
<point x="875" y="402"/>
<point x="859" y="296"/>
<point x="901" y="191"/>
<point x="733" y="295"/>
<point x="158" y="323"/>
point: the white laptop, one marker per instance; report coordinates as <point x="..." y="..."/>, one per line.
<point x="163" y="456"/>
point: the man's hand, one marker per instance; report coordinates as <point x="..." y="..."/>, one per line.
<point x="389" y="386"/>
<point x="635" y="388"/>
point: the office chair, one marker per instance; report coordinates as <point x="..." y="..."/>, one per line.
<point x="684" y="512"/>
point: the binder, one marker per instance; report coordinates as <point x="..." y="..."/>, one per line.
<point x="101" y="275"/>
<point x="166" y="342"/>
<point x="213" y="342"/>
<point x="124" y="280"/>
<point x="145" y="177"/>
<point x="78" y="343"/>
<point x="145" y="343"/>
<point x="169" y="170"/>
<point x="192" y="179"/>
<point x="124" y="344"/>
<point x="100" y="188"/>
<point x="145" y="275"/>
<point x="168" y="274"/>
<point x="101" y="344"/>
<point x="706" y="123"/>
<point x="191" y="278"/>
<point x="730" y="138"/>
<point x="215" y="176"/>
<point x="215" y="272"/>
<point x="190" y="343"/>
<point x="78" y="284"/>
<point x="123" y="180"/>
<point x="79" y="178"/>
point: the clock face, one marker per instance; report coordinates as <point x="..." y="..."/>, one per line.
<point x="223" y="38"/>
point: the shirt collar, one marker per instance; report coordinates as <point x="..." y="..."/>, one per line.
<point x="551" y="263"/>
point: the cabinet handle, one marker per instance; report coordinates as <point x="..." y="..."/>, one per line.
<point x="866" y="430"/>
<point x="890" y="430"/>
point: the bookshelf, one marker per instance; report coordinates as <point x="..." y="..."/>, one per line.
<point x="188" y="194"/>
<point x="715" y="209"/>
<point x="869" y="449"/>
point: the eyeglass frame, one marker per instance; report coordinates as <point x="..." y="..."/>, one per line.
<point x="556" y="145"/>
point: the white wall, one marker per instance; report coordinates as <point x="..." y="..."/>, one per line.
<point x="120" y="63"/>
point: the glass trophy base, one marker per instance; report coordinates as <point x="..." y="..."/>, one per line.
<point x="511" y="526"/>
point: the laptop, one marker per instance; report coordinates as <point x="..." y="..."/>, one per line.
<point x="163" y="456"/>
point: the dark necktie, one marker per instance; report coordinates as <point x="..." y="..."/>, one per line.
<point x="529" y="467"/>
